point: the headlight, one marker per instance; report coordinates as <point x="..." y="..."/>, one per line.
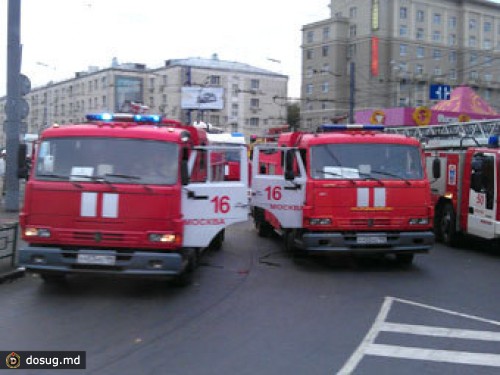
<point x="419" y="221"/>
<point x="37" y="232"/>
<point x="162" y="237"/>
<point x="320" y="221"/>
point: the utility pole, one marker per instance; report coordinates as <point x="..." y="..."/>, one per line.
<point x="352" y="88"/>
<point x="13" y="106"/>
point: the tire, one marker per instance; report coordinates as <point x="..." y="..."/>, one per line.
<point x="446" y="226"/>
<point x="290" y="246"/>
<point x="52" y="278"/>
<point x="217" y="241"/>
<point x="264" y="229"/>
<point x="404" y="260"/>
<point x="185" y="278"/>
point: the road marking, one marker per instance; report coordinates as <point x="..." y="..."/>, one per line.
<point x="368" y="346"/>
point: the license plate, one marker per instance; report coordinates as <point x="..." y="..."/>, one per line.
<point x="371" y="240"/>
<point x="107" y="260"/>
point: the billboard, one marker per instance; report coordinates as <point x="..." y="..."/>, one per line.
<point x="202" y="98"/>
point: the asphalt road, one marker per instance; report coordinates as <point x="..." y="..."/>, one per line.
<point x="253" y="310"/>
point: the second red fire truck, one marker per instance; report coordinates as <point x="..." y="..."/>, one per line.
<point x="344" y="189"/>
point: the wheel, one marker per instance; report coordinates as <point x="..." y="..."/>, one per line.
<point x="185" y="278"/>
<point x="264" y="229"/>
<point x="52" y="278"/>
<point x="404" y="260"/>
<point x="217" y="241"/>
<point x="290" y="246"/>
<point x="446" y="230"/>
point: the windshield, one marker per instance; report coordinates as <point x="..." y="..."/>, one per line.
<point x="110" y="160"/>
<point x="365" y="161"/>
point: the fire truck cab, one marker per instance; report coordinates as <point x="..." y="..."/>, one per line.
<point x="344" y="189"/>
<point x="133" y="195"/>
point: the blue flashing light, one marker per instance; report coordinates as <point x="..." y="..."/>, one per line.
<point x="237" y="134"/>
<point x="147" y="118"/>
<point x="124" y="117"/>
<point x="345" y="127"/>
<point x="493" y="141"/>
<point x="99" y="117"/>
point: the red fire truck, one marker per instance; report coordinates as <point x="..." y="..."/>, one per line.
<point x="344" y="189"/>
<point x="125" y="194"/>
<point x="463" y="162"/>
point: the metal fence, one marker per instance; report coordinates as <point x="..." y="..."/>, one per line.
<point x="8" y="242"/>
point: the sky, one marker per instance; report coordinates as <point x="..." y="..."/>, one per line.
<point x="61" y="37"/>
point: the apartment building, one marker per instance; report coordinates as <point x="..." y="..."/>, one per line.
<point x="398" y="48"/>
<point x="230" y="95"/>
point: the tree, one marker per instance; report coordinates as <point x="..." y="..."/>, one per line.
<point x="293" y="115"/>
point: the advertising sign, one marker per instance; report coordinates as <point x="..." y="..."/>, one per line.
<point x="202" y="98"/>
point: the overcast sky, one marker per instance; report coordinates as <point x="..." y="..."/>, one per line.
<point x="61" y="37"/>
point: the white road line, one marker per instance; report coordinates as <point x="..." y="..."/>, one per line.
<point x="449" y="356"/>
<point x="356" y="357"/>
<point x="440" y="332"/>
<point x="368" y="346"/>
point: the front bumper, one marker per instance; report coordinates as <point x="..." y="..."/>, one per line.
<point x="138" y="263"/>
<point x="338" y="242"/>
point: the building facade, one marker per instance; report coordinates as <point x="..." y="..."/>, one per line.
<point x="245" y="100"/>
<point x="373" y="54"/>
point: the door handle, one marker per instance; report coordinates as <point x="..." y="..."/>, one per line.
<point x="192" y="195"/>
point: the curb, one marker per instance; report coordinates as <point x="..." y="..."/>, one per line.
<point x="12" y="275"/>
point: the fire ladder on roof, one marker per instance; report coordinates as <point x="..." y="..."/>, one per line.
<point x="455" y="135"/>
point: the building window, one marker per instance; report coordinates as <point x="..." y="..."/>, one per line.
<point x="473" y="58"/>
<point x="452" y="57"/>
<point x="473" y="75"/>
<point x="419" y="34"/>
<point x="472" y="24"/>
<point x="309" y="88"/>
<point x="403" y="50"/>
<point x="436" y="36"/>
<point x="488" y="60"/>
<point x="309" y="72"/>
<point x="437" y="71"/>
<point x="310" y="36"/>
<point x="420" y="52"/>
<point x="452" y="22"/>
<point x="403" y="30"/>
<point x="254" y="84"/>
<point x="234" y="110"/>
<point x="488" y="77"/>
<point x="352" y="51"/>
<point x="436" y="54"/>
<point x="472" y="41"/>
<point x="452" y="74"/>
<point x="420" y="16"/>
<point x="353" y="12"/>
<point x="325" y="50"/>
<point x="352" y="31"/>
<point x="254" y="103"/>
<point x="403" y="13"/>
<point x="214" y="80"/>
<point x="452" y="39"/>
<point x="326" y="33"/>
<point x="235" y="89"/>
<point x="436" y="19"/>
<point x="487" y="27"/>
<point x="325" y="87"/>
<point x="487" y="44"/>
<point x="254" y="121"/>
<point x="419" y="69"/>
<point x="309" y="54"/>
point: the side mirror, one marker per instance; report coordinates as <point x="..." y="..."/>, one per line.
<point x="184" y="172"/>
<point x="436" y="168"/>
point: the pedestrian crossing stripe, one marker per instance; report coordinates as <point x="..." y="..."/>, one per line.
<point x="369" y="347"/>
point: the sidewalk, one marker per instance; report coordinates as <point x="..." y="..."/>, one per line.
<point x="9" y="242"/>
